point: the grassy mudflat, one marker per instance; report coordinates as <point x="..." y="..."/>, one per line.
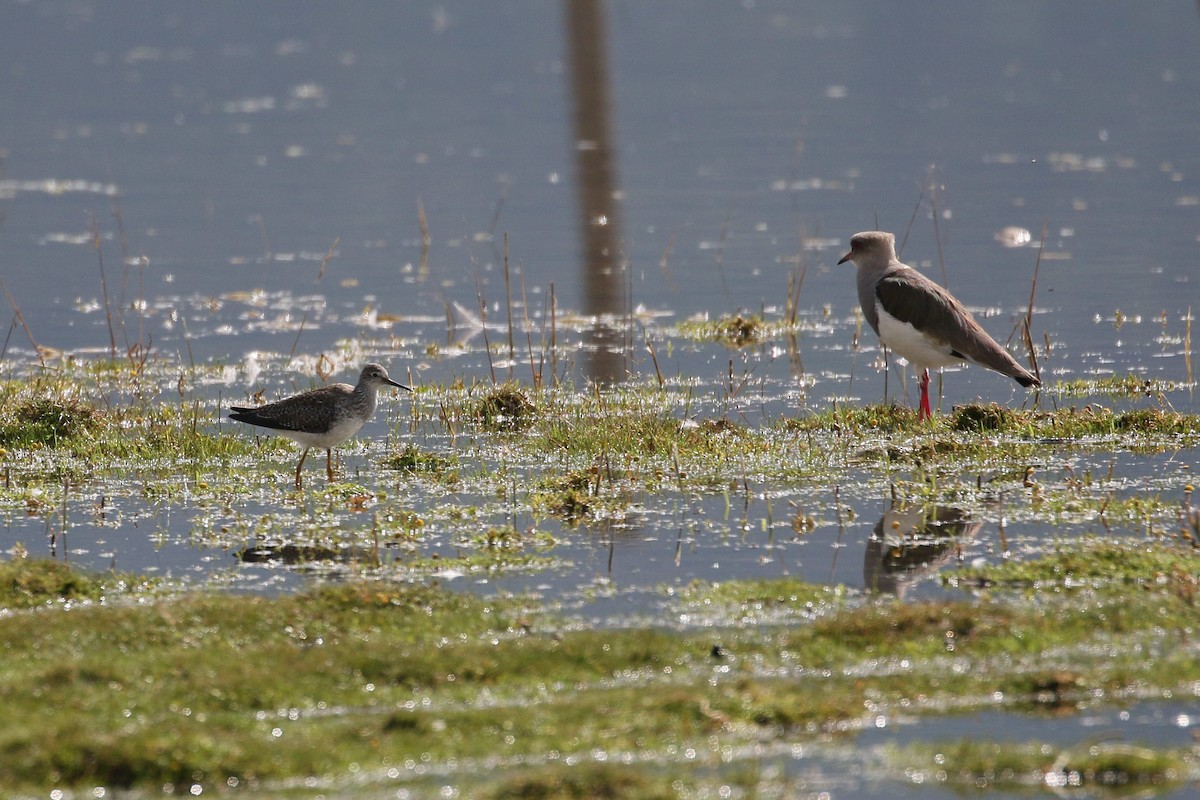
<point x="111" y="682"/>
<point x="374" y="684"/>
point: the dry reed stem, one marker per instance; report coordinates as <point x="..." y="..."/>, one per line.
<point x="541" y="367"/>
<point x="916" y="210"/>
<point x="423" y="222"/>
<point x="328" y="257"/>
<point x="1187" y="348"/>
<point x="535" y="371"/>
<point x="627" y="331"/>
<point x="508" y="308"/>
<point x="12" y="326"/>
<point x="300" y="330"/>
<point x="796" y="283"/>
<point x="1027" y="334"/>
<point x="487" y="345"/>
<point x="119" y="218"/>
<point x="112" y="335"/>
<point x="664" y="263"/>
<point x="654" y="359"/>
<point x="553" y="337"/>
<point x="496" y="213"/>
<point x="19" y="318"/>
<point x="721" y="256"/>
<point x="937" y="234"/>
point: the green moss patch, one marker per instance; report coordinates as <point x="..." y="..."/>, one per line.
<point x="980" y="765"/>
<point x="216" y="689"/>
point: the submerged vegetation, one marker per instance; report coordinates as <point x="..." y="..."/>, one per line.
<point x="1143" y="426"/>
<point x="1095" y="766"/>
<point x="739" y="330"/>
<point x="505" y="408"/>
<point x="36" y="422"/>
<point x="24" y="585"/>
<point x="186" y="689"/>
<point x="387" y="677"/>
<point x="98" y="421"/>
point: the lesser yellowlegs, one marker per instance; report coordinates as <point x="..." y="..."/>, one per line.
<point x="920" y="320"/>
<point x="323" y="417"/>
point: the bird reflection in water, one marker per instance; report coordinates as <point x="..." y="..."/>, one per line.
<point x="910" y="543"/>
<point x="316" y="557"/>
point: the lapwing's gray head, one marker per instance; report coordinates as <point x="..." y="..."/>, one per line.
<point x="871" y="248"/>
<point x="376" y="375"/>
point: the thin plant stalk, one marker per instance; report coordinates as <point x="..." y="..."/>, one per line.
<point x="1187" y="348"/>
<point x="123" y="243"/>
<point x="299" y="331"/>
<point x="937" y="235"/>
<point x="508" y="308"/>
<point x="553" y="337"/>
<point x="328" y="257"/>
<point x="664" y="264"/>
<point x="12" y="326"/>
<point x="320" y="274"/>
<point x="487" y="345"/>
<point x="721" y="257"/>
<point x="796" y="283"/>
<point x="653" y="358"/>
<point x="187" y="340"/>
<point x="112" y="335"/>
<point x="426" y="240"/>
<point x="423" y="222"/>
<point x="534" y="371"/>
<point x="1026" y="333"/>
<point x="627" y="330"/>
<point x="19" y="318"/>
<point x="542" y="333"/>
<point x="937" y="243"/>
<point x="854" y="342"/>
<point x="916" y="209"/>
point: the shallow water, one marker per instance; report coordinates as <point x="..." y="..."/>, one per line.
<point x="239" y="145"/>
<point x="260" y="179"/>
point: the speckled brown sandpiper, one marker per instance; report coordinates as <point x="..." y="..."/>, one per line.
<point x="323" y="417"/>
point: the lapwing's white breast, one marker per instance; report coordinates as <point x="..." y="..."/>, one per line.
<point x="919" y="349"/>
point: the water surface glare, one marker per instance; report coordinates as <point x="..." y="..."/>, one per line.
<point x="245" y="196"/>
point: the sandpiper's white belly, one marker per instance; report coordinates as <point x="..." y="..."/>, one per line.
<point x="334" y="436"/>
<point x="921" y="351"/>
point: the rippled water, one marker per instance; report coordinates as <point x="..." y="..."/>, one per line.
<point x="256" y="186"/>
<point x="254" y="164"/>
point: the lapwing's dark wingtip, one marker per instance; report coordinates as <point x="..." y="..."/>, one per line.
<point x="1028" y="381"/>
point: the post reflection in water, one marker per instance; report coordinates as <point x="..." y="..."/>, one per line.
<point x="601" y="266"/>
<point x="909" y="543"/>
